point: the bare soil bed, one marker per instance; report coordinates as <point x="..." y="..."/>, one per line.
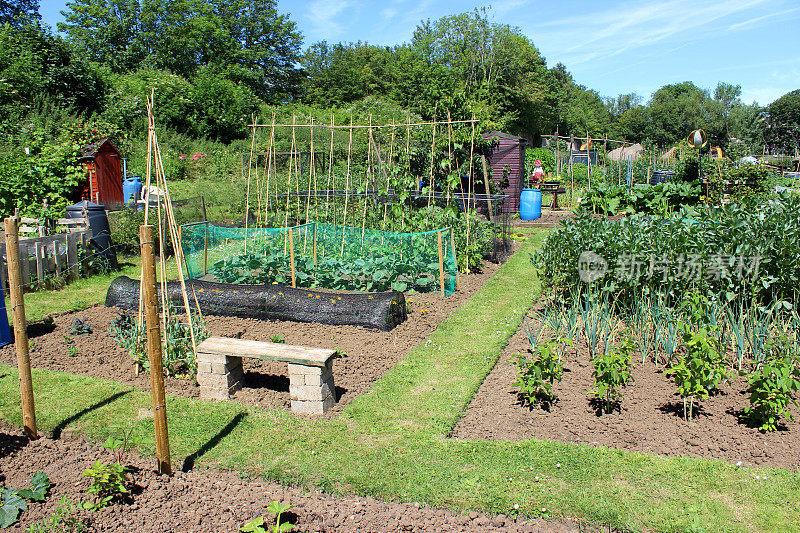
<point x="650" y="420"/>
<point x="369" y="353"/>
<point x="211" y="501"/>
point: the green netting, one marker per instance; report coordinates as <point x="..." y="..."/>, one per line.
<point x="325" y="255"/>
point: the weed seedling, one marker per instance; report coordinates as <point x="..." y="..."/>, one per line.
<point x="256" y="525"/>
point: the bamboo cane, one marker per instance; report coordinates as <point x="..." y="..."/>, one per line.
<point x="347" y="179"/>
<point x="291" y="256"/>
<point x="249" y="169"/>
<point x="441" y="260"/>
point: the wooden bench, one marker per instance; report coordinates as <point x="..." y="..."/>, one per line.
<point x="554" y="188"/>
<point x="311" y="388"/>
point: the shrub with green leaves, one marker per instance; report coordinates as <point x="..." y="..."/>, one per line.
<point x="612" y="372"/>
<point x="178" y="354"/>
<point x="109" y="482"/>
<point x="700" y="369"/>
<point x="773" y="387"/>
<point x="535" y="378"/>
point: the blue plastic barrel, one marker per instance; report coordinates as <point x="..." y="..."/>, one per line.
<point x="530" y="204"/>
<point x="131" y="189"/>
<point x="5" y="330"/>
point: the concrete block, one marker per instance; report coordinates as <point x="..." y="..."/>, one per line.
<point x="302" y="407"/>
<point x="213" y="358"/>
<point x="297" y="380"/>
<point x="307" y="393"/>
<point x="220" y="381"/>
<point x="213" y="393"/>
<point x="306" y="369"/>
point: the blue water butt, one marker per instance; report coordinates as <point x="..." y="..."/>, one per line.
<point x="530" y="204"/>
<point x="131" y="189"/>
<point x="5" y="330"/>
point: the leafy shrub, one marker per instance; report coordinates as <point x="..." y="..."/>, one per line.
<point x="660" y="199"/>
<point x="109" y="482"/>
<point x="535" y="378"/>
<point x="178" y="357"/>
<point x="769" y="231"/>
<point x="700" y="369"/>
<point x="612" y="371"/>
<point x="773" y="387"/>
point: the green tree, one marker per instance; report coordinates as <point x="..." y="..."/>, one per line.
<point x="782" y="124"/>
<point x="678" y="109"/>
<point x="35" y="63"/>
<point x="18" y="13"/>
<point x="106" y="31"/>
<point x="250" y="40"/>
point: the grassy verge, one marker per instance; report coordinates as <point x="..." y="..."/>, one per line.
<point x="391" y="442"/>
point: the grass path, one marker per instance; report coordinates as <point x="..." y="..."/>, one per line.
<point x="392" y="442"/>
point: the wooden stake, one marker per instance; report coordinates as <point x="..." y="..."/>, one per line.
<point x="205" y="249"/>
<point x="453" y="249"/>
<point x="315" y="244"/>
<point x="249" y="169"/>
<point x="441" y="260"/>
<point x="163" y="464"/>
<point x="291" y="256"/>
<point x="487" y="179"/>
<point x="20" y="328"/>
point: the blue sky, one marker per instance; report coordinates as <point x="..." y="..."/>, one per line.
<point x="613" y="47"/>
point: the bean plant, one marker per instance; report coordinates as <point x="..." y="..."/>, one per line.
<point x="535" y="378"/>
<point x="612" y="372"/>
<point x="773" y="387"/>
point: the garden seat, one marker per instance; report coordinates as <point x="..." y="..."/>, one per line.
<point x="311" y="388"/>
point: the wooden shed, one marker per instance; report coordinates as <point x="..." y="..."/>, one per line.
<point x="508" y="151"/>
<point x="103" y="181"/>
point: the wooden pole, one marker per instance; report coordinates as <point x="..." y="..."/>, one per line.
<point x="163" y="464"/>
<point x="291" y="256"/>
<point x="20" y="328"/>
<point x="315" y="244"/>
<point x="487" y="179"/>
<point x="441" y="260"/>
<point x="453" y="249"/>
<point x="205" y="249"/>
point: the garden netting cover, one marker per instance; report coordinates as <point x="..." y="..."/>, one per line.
<point x="327" y="256"/>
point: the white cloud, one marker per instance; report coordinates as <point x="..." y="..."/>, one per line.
<point x="632" y="26"/>
<point x="322" y="14"/>
<point x="748" y="24"/>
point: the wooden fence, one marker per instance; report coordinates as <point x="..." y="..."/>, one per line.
<point x="45" y="258"/>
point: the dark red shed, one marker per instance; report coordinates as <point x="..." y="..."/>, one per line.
<point x="103" y="181"/>
<point x="508" y="151"/>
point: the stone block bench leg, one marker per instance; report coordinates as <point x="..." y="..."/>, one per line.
<point x="311" y="388"/>
<point x="219" y="376"/>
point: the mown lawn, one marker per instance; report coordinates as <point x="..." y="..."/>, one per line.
<point x="392" y="442"/>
